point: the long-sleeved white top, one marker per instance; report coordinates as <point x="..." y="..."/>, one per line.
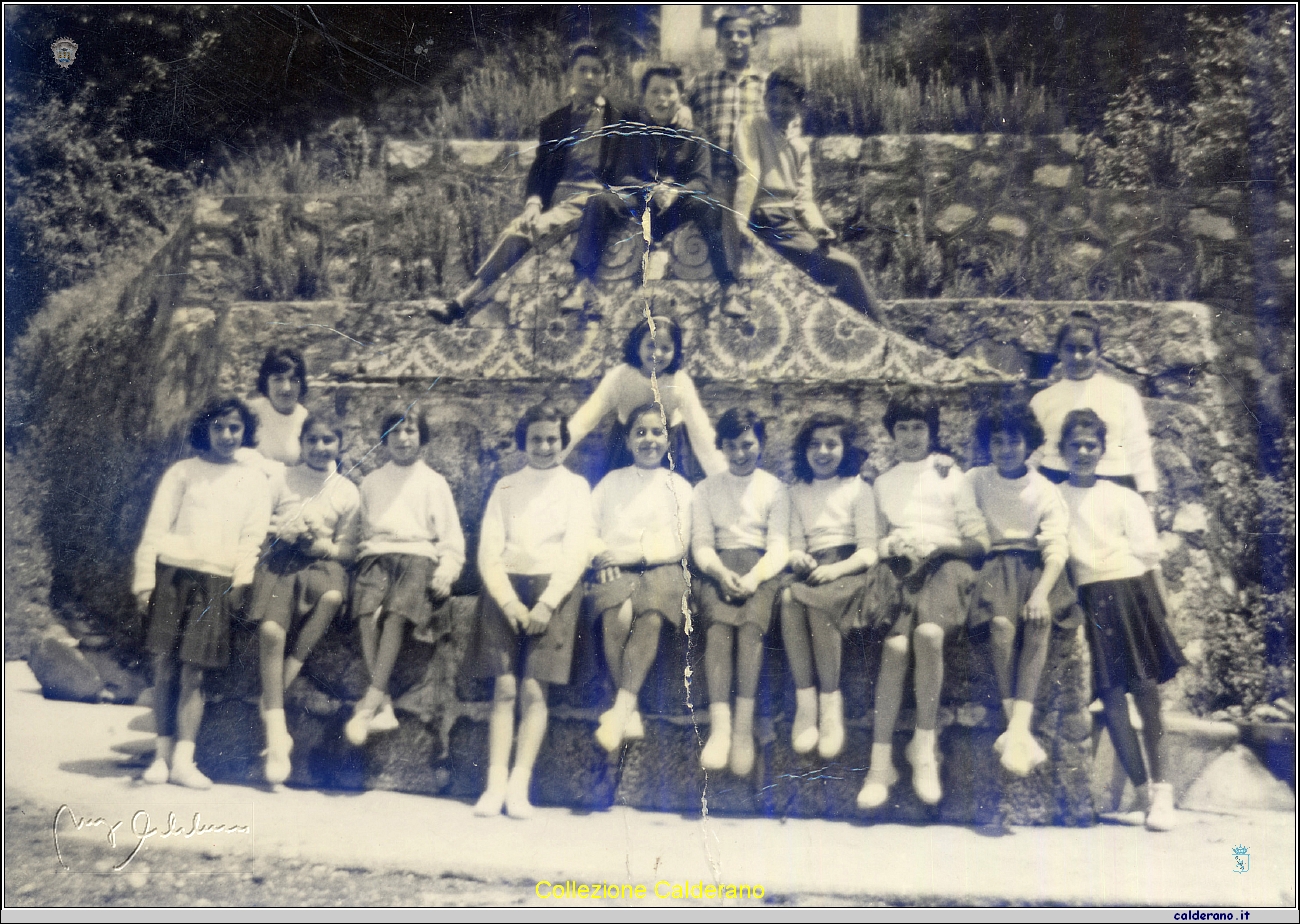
<point x="207" y="517"/>
<point x="776" y="171"/>
<point x="537" y="521"/>
<point x="831" y="512"/>
<point x="326" y="503"/>
<point x="409" y="510"/>
<point x="642" y="517"/>
<point x="278" y="434"/>
<point x="750" y="512"/>
<point x="928" y="510"/>
<point x="1022" y="513"/>
<point x="1128" y="440"/>
<point x="623" y="389"/>
<point x="1112" y="535"/>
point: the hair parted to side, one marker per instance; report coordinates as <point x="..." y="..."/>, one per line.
<point x="850" y="465"/>
<point x="585" y="49"/>
<point x="545" y="412"/>
<point x="668" y="71"/>
<point x="1014" y="417"/>
<point x="653" y="408"/>
<point x="1083" y="419"/>
<point x="735" y="16"/>
<point x="217" y="407"/>
<point x="664" y="326"/>
<point x="782" y="79"/>
<point x="913" y="404"/>
<point x="1079" y="320"/>
<point x="279" y="360"/>
<point x="736" y="421"/>
<point x="328" y="423"/>
<point x="396" y="417"/>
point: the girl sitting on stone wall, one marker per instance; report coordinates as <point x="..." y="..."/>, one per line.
<point x="643" y="525"/>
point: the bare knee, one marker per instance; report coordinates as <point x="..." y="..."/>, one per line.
<point x="750" y="637"/>
<point x="1002" y="628"/>
<point x="331" y="598"/>
<point x="506" y="690"/>
<point x="191" y="677"/>
<point x="534" y="693"/>
<point x="928" y="636"/>
<point x="272" y="632"/>
<point x="896" y="647"/>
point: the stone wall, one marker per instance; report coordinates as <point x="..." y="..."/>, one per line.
<point x="186" y="330"/>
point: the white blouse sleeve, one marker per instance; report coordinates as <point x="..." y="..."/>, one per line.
<point x="703" y="436"/>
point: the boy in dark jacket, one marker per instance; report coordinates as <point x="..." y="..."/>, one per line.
<point x="660" y="170"/>
<point x="574" y="162"/>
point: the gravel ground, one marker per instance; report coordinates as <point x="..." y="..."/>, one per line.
<point x="34" y="878"/>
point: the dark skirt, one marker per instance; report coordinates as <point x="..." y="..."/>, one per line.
<point x="496" y="649"/>
<point x="937" y="593"/>
<point x="1130" y="641"/>
<point x="396" y="585"/>
<point x="1004" y="586"/>
<point x="684" y="462"/>
<point x="841" y="600"/>
<point x="756" y="610"/>
<point x="288" y="584"/>
<point x="189" y="617"/>
<point x="652" y="589"/>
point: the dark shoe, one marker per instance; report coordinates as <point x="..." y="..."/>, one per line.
<point x="449" y="311"/>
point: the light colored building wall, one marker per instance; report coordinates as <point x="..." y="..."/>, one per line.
<point x="824" y="29"/>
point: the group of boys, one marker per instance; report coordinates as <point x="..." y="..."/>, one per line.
<point x="743" y="175"/>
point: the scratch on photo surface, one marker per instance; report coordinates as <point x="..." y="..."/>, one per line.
<point x="323" y="327"/>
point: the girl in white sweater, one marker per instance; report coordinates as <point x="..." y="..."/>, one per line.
<point x="934" y="531"/>
<point x="535" y="543"/>
<point x="192" y="567"/>
<point x="1022" y="588"/>
<point x="643" y="525"/>
<point x="1115" y="554"/>
<point x="833" y="536"/>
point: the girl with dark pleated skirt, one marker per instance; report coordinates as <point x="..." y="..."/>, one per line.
<point x="1115" y="554"/>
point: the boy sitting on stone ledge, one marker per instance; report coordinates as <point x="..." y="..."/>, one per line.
<point x="574" y="162"/>
<point x="661" y="170"/>
<point x="774" y="199"/>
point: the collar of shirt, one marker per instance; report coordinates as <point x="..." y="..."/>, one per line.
<point x="588" y="110"/>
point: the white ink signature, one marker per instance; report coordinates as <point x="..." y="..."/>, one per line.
<point x="141" y="828"/>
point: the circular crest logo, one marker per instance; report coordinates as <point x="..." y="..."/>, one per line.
<point x="65" y="52"/>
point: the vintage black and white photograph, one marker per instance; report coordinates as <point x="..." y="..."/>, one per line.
<point x="650" y="456"/>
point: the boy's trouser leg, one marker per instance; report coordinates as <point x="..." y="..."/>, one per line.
<point x="603" y="213"/>
<point x="829" y="266"/>
<point x="509" y="250"/>
<point x="708" y="218"/>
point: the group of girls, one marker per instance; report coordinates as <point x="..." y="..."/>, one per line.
<point x="924" y="551"/>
